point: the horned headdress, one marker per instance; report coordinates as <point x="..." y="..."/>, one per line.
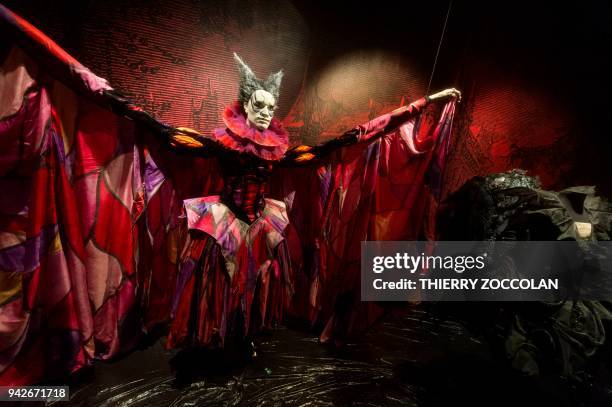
<point x="249" y="83"/>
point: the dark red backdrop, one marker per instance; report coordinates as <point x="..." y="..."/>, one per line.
<point x="534" y="76"/>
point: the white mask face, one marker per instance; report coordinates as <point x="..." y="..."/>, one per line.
<point x="260" y="109"/>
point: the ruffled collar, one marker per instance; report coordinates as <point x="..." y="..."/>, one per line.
<point x="269" y="144"/>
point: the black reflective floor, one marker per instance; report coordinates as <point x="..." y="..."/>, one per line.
<point x="411" y="360"/>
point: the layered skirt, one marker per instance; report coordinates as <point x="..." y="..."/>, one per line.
<point x="234" y="278"/>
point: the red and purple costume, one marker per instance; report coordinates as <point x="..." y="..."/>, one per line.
<point x="93" y="248"/>
<point x="234" y="271"/>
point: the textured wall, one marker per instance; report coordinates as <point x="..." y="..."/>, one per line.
<point x="524" y="77"/>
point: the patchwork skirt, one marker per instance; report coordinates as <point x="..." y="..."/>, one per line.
<point x="234" y="278"/>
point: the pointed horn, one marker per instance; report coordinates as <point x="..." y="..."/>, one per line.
<point x="249" y="83"/>
<point x="273" y="83"/>
<point x="275" y="79"/>
<point x="243" y="68"/>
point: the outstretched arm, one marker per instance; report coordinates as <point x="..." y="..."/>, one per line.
<point x="178" y="139"/>
<point x="369" y="131"/>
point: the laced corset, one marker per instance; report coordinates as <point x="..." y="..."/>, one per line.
<point x="244" y="179"/>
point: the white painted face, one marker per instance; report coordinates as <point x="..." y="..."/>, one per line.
<point x="260" y="109"/>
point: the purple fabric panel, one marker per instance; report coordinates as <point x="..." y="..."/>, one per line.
<point x="186" y="271"/>
<point x="26" y="256"/>
<point x="153" y="177"/>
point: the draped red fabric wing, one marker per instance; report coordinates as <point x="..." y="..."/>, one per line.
<point x="381" y="190"/>
<point x="68" y="282"/>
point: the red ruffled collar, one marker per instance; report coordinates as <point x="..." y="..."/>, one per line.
<point x="269" y="144"/>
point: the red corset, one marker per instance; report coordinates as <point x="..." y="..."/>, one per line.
<point x="244" y="196"/>
<point x="245" y="180"/>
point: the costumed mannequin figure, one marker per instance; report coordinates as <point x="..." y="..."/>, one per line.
<point x="235" y="276"/>
<point x="93" y="248"/>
